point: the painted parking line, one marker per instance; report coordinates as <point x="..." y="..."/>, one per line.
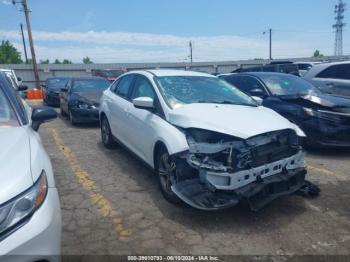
<point x="102" y="204"/>
<point x="339" y="176"/>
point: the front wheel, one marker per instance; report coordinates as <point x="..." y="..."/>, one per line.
<point x="72" y="119"/>
<point x="165" y="169"/>
<point x="106" y="134"/>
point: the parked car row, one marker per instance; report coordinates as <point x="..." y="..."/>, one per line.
<point x="210" y="161"/>
<point x="213" y="142"/>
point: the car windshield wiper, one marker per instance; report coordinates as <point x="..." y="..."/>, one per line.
<point x="225" y="102"/>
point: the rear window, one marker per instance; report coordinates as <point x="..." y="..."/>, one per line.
<point x="7" y="115"/>
<point x="57" y="81"/>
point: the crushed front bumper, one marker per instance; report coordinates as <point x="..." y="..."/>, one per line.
<point x="81" y="115"/>
<point x="257" y="194"/>
<point x="328" y="130"/>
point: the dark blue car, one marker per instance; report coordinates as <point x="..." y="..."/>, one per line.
<point x="324" y="118"/>
<point x="52" y="89"/>
<point x="80" y="98"/>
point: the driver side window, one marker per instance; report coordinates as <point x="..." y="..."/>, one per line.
<point x="247" y="84"/>
<point x="142" y="88"/>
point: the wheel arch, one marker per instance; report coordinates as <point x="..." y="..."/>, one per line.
<point x="157" y="147"/>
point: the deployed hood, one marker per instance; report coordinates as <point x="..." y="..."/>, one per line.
<point x="321" y="99"/>
<point x="235" y="120"/>
<point x="15" y="175"/>
<point x="93" y="97"/>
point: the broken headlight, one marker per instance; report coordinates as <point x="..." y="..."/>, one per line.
<point x="207" y="136"/>
<point x="84" y="105"/>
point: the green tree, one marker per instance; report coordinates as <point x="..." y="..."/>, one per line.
<point x="317" y="53"/>
<point x="47" y="61"/>
<point x="66" y="61"/>
<point x="87" y="60"/>
<point x="9" y="54"/>
<point x="57" y="61"/>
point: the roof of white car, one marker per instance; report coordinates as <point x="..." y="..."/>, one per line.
<point x="173" y="72"/>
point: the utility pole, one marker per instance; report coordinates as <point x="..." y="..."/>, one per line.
<point x="270" y="45"/>
<point x="30" y="37"/>
<point x="270" y="31"/>
<point x="338" y="26"/>
<point x="24" y="44"/>
<point x="191" y="54"/>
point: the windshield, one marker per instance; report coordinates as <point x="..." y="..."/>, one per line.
<point x="109" y="73"/>
<point x="57" y="81"/>
<point x="288" y="85"/>
<point x="7" y="115"/>
<point x="90" y="85"/>
<point x="12" y="80"/>
<point x="180" y="90"/>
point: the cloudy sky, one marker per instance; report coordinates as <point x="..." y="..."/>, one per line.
<point x="160" y="30"/>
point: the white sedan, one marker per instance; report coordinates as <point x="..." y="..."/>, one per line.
<point x="211" y="145"/>
<point x="30" y="216"/>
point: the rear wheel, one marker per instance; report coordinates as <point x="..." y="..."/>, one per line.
<point x="165" y="169"/>
<point x="106" y="134"/>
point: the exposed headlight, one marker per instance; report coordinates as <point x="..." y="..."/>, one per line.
<point x="207" y="136"/>
<point x="309" y="111"/>
<point x="324" y="114"/>
<point x="17" y="211"/>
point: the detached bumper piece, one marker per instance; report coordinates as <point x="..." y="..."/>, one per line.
<point x="257" y="194"/>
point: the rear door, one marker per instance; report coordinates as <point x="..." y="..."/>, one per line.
<point x="335" y="79"/>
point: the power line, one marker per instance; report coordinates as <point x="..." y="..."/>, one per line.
<point x="338" y="26"/>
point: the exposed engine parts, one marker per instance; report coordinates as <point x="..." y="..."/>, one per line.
<point x="212" y="173"/>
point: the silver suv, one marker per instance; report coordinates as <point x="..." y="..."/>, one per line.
<point x="332" y="78"/>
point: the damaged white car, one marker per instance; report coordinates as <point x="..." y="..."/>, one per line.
<point x="211" y="145"/>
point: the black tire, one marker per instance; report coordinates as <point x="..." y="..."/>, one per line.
<point x="62" y="112"/>
<point x="164" y="167"/>
<point x="71" y="118"/>
<point x="106" y="134"/>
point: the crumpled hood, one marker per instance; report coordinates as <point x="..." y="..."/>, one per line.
<point x="328" y="100"/>
<point x="235" y="120"/>
<point x="92" y="97"/>
<point x="15" y="169"/>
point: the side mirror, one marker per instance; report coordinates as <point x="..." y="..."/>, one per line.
<point x="259" y="100"/>
<point x="143" y="103"/>
<point x="22" y="88"/>
<point x="42" y="114"/>
<point x="64" y="89"/>
<point x="258" y="92"/>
